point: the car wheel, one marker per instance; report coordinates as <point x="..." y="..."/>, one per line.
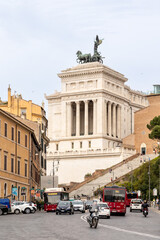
<point x="70" y="213"/>
<point x="1" y="212"/>
<point x="73" y="212"/>
<point x="17" y="211"/>
<point x="56" y="213"/>
<point x="108" y="217"/>
<point x="27" y="210"/>
<point x="83" y="211"/>
<point x="130" y="210"/>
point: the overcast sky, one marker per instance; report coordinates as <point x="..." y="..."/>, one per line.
<point x="39" y="38"/>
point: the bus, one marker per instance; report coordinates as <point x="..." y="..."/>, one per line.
<point x="130" y="196"/>
<point x="115" y="196"/>
<point x="52" y="196"/>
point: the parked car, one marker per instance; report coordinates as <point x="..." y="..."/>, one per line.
<point x="6" y="202"/>
<point x="88" y="204"/>
<point x="34" y="205"/>
<point x="104" y="210"/>
<point x="3" y="209"/>
<point x="136" y="204"/>
<point x="64" y="207"/>
<point x="20" y="206"/>
<point x="78" y="205"/>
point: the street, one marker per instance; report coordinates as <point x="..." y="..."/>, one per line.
<point x="42" y="225"/>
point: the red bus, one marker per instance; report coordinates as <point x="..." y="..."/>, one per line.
<point x="116" y="198"/>
<point x="130" y="196"/>
<point x="52" y="196"/>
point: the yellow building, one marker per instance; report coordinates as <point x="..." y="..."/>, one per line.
<point x="19" y="157"/>
<point x="27" y="110"/>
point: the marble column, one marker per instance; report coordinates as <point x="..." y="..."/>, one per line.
<point x="109" y="118"/>
<point x="86" y="117"/>
<point x="114" y="120"/>
<point x="69" y="118"/>
<point x="119" y="122"/>
<point x="94" y="116"/>
<point x="77" y="118"/>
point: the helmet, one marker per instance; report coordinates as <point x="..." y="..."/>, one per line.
<point x="145" y="201"/>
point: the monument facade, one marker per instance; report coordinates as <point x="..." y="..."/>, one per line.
<point x="88" y="119"/>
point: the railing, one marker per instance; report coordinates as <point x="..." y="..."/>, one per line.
<point x="116" y="150"/>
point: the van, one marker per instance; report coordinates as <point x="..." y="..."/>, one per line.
<point x="6" y="202"/>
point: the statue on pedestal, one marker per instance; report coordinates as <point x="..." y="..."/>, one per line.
<point x="84" y="58"/>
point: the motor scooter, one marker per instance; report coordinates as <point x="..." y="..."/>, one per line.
<point x="145" y="212"/>
<point x="93" y="219"/>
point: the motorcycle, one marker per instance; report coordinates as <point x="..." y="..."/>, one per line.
<point x="93" y="219"/>
<point x="145" y="212"/>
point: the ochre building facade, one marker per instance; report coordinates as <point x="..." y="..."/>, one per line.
<point x="19" y="158"/>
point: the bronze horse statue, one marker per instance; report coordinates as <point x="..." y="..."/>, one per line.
<point x="83" y="58"/>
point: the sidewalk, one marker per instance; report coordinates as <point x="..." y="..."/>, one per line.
<point x="155" y="209"/>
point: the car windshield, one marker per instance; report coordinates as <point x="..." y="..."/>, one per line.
<point x="136" y="202"/>
<point x="63" y="204"/>
<point x="89" y="202"/>
<point x="77" y="203"/>
<point x="103" y="205"/>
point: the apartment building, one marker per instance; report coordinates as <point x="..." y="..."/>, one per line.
<point x="19" y="158"/>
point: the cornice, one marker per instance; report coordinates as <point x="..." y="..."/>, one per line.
<point x="83" y="156"/>
<point x="93" y="94"/>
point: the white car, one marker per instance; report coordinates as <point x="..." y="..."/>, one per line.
<point x="20" y="206"/>
<point x="104" y="210"/>
<point x="78" y="205"/>
<point x="136" y="204"/>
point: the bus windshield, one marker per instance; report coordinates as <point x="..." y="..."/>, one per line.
<point x="114" y="195"/>
<point x="132" y="195"/>
<point x="51" y="198"/>
<point x="55" y="197"/>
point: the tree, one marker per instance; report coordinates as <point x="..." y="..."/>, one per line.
<point x="154" y="127"/>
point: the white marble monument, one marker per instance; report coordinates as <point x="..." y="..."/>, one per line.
<point x="88" y="119"/>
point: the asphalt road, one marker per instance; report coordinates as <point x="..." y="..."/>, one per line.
<point x="49" y="226"/>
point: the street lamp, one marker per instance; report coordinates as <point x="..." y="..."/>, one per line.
<point x="130" y="167"/>
<point x="149" y="174"/>
<point x="158" y="148"/>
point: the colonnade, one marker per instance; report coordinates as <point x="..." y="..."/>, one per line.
<point x="82" y="118"/>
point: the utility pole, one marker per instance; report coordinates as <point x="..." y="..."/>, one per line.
<point x="149" y="173"/>
<point x="53" y="173"/>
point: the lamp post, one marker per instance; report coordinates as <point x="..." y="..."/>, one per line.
<point x="149" y="174"/>
<point x="158" y="148"/>
<point x="130" y="167"/>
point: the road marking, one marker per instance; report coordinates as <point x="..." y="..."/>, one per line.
<point x="124" y="230"/>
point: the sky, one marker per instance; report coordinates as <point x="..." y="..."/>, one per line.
<point x="39" y="38"/>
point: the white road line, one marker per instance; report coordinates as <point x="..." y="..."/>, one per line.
<point x="124" y="230"/>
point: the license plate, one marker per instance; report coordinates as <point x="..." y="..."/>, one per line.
<point x="114" y="211"/>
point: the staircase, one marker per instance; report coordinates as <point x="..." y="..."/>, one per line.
<point x="109" y="175"/>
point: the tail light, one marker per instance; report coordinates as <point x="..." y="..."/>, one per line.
<point x="6" y="206"/>
<point x="106" y="208"/>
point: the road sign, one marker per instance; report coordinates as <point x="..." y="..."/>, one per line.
<point x="155" y="192"/>
<point x="139" y="193"/>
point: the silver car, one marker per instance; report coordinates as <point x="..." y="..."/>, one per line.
<point x="78" y="205"/>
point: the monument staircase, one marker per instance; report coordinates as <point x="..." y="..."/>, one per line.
<point x="108" y="176"/>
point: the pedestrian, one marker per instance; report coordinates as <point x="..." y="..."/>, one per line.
<point x="154" y="202"/>
<point x="157" y="202"/>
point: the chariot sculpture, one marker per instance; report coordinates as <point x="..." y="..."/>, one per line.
<point x="85" y="58"/>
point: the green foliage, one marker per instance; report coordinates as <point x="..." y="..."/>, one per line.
<point x="154" y="127"/>
<point x="88" y="175"/>
<point x="140" y="179"/>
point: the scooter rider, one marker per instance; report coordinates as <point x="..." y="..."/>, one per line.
<point x="93" y="208"/>
<point x="145" y="205"/>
